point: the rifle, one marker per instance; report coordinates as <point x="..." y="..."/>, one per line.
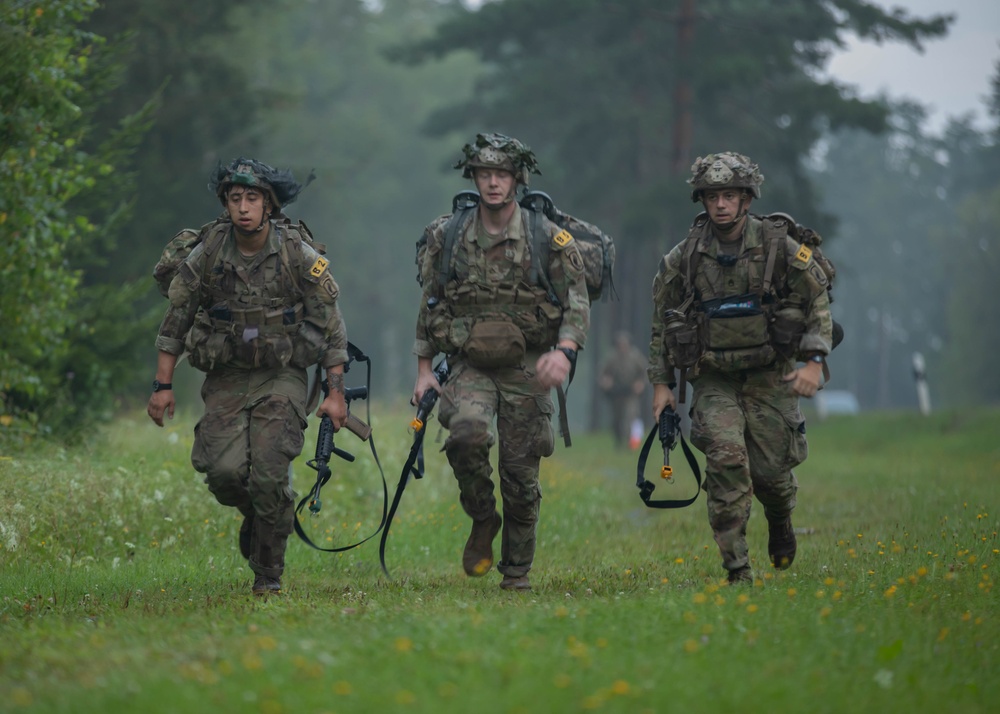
<point x="326" y="449"/>
<point x="416" y="455"/>
<point x="668" y="430"/>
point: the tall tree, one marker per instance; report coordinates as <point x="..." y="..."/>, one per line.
<point x="355" y="119"/>
<point x="54" y="166"/>
<point x="591" y="85"/>
<point x="183" y="54"/>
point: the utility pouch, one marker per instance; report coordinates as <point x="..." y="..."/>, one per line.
<point x="787" y="327"/>
<point x="493" y="344"/>
<point x="680" y="340"/>
<point x="439" y="327"/>
<point x="307" y="346"/>
<point x="735" y="323"/>
<point x="207" y="348"/>
<point x="274" y="350"/>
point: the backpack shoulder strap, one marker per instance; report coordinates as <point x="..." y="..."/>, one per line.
<point x="213" y="240"/>
<point x="775" y="227"/>
<point x="691" y="256"/>
<point x="462" y="206"/>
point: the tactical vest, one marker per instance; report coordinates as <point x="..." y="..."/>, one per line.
<point x="729" y="326"/>
<point x="490" y="322"/>
<point x="253" y="330"/>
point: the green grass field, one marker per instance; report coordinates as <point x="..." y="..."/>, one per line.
<point x="122" y="589"/>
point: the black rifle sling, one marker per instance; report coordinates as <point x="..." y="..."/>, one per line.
<point x="646" y="487"/>
<point x="354" y="354"/>
<point x="408" y="469"/>
<point x="420" y="423"/>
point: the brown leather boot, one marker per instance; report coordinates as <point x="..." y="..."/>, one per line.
<point x="264" y="585"/>
<point x="741" y="576"/>
<point x="781" y="543"/>
<point x="520" y="582"/>
<point x="477" y="559"/>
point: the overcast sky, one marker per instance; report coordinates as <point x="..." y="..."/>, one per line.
<point x="952" y="75"/>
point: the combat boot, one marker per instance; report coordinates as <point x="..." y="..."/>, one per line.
<point x="741" y="575"/>
<point x="781" y="542"/>
<point x="477" y="558"/>
<point x="265" y="585"/>
<point x="520" y="582"/>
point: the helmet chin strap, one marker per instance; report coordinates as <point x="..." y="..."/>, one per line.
<point x="263" y="222"/>
<point x="741" y="213"/>
<point x="509" y="198"/>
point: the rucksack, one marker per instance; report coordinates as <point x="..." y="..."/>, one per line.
<point x="176" y="251"/>
<point x="596" y="247"/>
<point x="813" y="240"/>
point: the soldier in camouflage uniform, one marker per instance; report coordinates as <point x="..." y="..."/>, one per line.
<point x="254" y="305"/>
<point x="508" y="342"/>
<point x="623" y="380"/>
<point x="735" y="305"/>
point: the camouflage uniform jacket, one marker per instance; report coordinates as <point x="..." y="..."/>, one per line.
<point x="266" y="282"/>
<point x="801" y="283"/>
<point x="489" y="265"/>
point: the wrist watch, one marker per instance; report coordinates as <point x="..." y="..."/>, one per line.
<point x="570" y="354"/>
<point x="159" y="386"/>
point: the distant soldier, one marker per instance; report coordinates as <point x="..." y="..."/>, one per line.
<point x="734" y="305"/>
<point x="623" y="380"/>
<point x="254" y="305"/>
<point x="509" y="342"/>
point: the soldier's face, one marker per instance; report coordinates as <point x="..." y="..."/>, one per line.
<point x="723" y="206"/>
<point x="247" y="207"/>
<point x="495" y="186"/>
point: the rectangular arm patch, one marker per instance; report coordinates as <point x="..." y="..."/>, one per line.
<point x="804" y="254"/>
<point x="318" y="267"/>
<point x="562" y="238"/>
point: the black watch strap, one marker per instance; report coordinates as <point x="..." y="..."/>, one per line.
<point x="570" y="354"/>
<point x="159" y="386"/>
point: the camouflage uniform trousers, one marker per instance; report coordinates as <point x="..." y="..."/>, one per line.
<point x="250" y="432"/>
<point x="749" y="427"/>
<point x="471" y="399"/>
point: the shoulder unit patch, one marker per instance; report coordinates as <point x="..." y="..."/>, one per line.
<point x="318" y="267"/>
<point x="804" y="254"/>
<point x="562" y="238"/>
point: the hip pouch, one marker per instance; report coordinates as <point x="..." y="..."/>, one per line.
<point x="207" y="348"/>
<point x="493" y="344"/>
<point x="680" y="340"/>
<point x="735" y="323"/>
<point x="787" y="327"/>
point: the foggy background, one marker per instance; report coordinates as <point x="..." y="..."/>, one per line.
<point x="616" y="98"/>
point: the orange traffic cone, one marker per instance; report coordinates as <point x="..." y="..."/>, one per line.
<point x="635" y="435"/>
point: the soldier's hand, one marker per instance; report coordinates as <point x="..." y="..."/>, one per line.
<point x="335" y="407"/>
<point x="552" y="368"/>
<point x="663" y="397"/>
<point x="161" y="403"/>
<point x="423" y="383"/>
<point x="805" y="380"/>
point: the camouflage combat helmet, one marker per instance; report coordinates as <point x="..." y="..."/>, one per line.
<point x="724" y="170"/>
<point x="280" y="186"/>
<point x="496" y="151"/>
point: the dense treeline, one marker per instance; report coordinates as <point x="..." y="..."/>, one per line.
<point x="114" y="112"/>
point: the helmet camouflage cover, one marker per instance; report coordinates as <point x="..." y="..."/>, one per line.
<point x="496" y="151"/>
<point x="280" y="186"/>
<point x="724" y="170"/>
